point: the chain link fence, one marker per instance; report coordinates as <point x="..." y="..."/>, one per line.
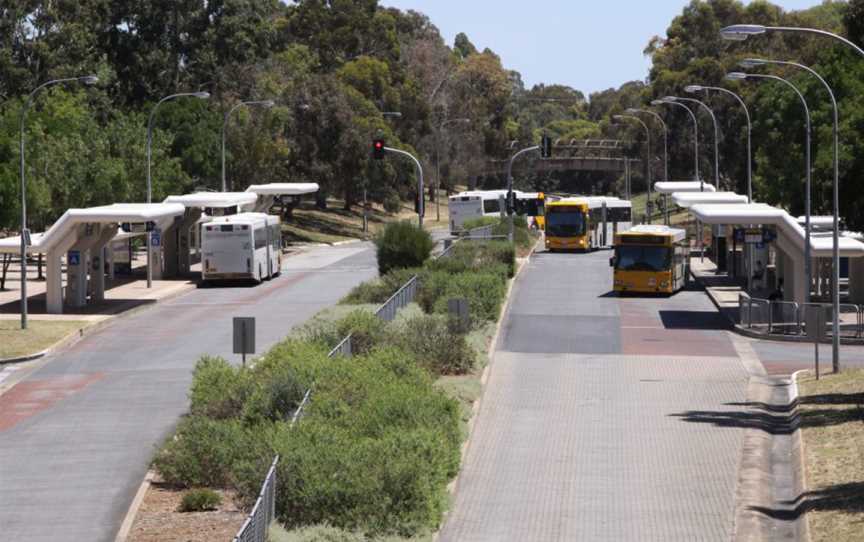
<point x="257" y="525"/>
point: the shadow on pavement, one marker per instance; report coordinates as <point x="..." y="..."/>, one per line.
<point x="775" y="424"/>
<point x="38" y="305"/>
<point x="706" y="320"/>
<point x="825" y="399"/>
<point x="846" y="497"/>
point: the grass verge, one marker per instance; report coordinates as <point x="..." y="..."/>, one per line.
<point x="39" y="335"/>
<point x="832" y="411"/>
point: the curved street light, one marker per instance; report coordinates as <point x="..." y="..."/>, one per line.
<point x="807" y="262"/>
<point x="634" y="111"/>
<point x="87" y="80"/>
<point x="647" y="156"/>
<point x="716" y="134"/>
<point x="263" y="103"/>
<point x="741" y="32"/>
<point x="700" y="88"/>
<point x="199" y="95"/>
<point x="696" y="176"/>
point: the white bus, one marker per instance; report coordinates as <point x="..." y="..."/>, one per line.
<point x="475" y="204"/>
<point x="618" y="218"/>
<point x="241" y="246"/>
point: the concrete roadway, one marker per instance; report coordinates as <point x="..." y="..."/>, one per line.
<point x="78" y="433"/>
<point x="582" y="433"/>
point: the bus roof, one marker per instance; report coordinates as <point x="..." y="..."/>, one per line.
<point x="247" y="218"/>
<point x="652" y="229"/>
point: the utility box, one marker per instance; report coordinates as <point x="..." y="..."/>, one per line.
<point x="460" y="319"/>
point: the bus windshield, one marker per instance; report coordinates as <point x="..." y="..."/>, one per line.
<point x="531" y="207"/>
<point x="565" y="222"/>
<point x="642" y="258"/>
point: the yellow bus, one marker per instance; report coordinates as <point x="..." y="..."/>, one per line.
<point x="533" y="205"/>
<point x="568" y="224"/>
<point x="651" y="259"/>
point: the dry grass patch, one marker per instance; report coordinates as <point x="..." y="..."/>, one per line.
<point x="39" y="335"/>
<point x="832" y="411"/>
<point x="159" y="518"/>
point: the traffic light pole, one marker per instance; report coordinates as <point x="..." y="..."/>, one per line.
<point x="420" y="202"/>
<point x="510" y="186"/>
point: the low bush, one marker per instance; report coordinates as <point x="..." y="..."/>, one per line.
<point x="402" y="245"/>
<point x="379" y="290"/>
<point x="430" y="340"/>
<point x="479" y="222"/>
<point x="218" y="388"/>
<point x="392" y="204"/>
<point x="200" y="500"/>
<point x="483" y="291"/>
<point x="203" y="452"/>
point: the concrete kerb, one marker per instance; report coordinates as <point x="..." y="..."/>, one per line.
<point x="484" y="377"/>
<point x="129" y="520"/>
<point x="771" y="465"/>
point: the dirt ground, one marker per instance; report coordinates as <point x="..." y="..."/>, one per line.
<point x="159" y="521"/>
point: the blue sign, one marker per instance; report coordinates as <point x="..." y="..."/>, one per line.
<point x="768" y="235"/>
<point x="739" y="235"/>
<point x="73" y="257"/>
<point x="155" y="238"/>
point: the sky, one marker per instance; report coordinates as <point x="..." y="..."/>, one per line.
<point x="588" y="45"/>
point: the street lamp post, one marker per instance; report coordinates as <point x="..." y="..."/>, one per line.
<point x="263" y="103"/>
<point x="700" y="88"/>
<point x="808" y="273"/>
<point x="740" y="32"/>
<point x="716" y="134"/>
<point x="696" y="176"/>
<point x="647" y="156"/>
<point x="437" y="164"/>
<point x="510" y="184"/>
<point x="25" y="234"/>
<point x="634" y="111"/>
<point x="200" y="95"/>
<point x="420" y="198"/>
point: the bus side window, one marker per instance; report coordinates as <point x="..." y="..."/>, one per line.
<point x="260" y="238"/>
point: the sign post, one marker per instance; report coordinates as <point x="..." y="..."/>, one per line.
<point x="244" y="336"/>
<point x="816" y="322"/>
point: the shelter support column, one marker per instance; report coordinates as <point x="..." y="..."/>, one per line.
<point x="97" y="260"/>
<point x="856" y="280"/>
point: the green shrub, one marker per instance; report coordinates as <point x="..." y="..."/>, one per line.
<point x="431" y="341"/>
<point x="200" y="500"/>
<point x="479" y="222"/>
<point x="365" y="328"/>
<point x="433" y="284"/>
<point x="375" y="450"/>
<point x="379" y="290"/>
<point x="483" y="291"/>
<point x="392" y="204"/>
<point x="276" y="396"/>
<point x="203" y="452"/>
<point x="402" y="245"/>
<point x="218" y="388"/>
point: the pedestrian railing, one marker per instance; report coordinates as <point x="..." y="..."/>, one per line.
<point x="257" y="525"/>
<point x="483" y="232"/>
<point x="342" y="349"/>
<point x="399" y="300"/>
<point x="770" y="317"/>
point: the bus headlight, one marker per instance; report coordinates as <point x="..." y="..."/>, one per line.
<point x="664" y="284"/>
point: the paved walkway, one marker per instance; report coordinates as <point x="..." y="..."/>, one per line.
<point x="77" y="434"/>
<point x="589" y="427"/>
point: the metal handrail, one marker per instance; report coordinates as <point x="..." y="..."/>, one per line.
<point x="257" y="523"/>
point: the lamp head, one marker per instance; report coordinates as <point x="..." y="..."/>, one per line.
<point x="202" y="95"/>
<point x="692" y="89"/>
<point x="736" y="76"/>
<point x="740" y="32"/>
<point x="658" y="102"/>
<point x="749" y="63"/>
<point x="670" y="98"/>
<point x="268" y="103"/>
<point x="631" y="110"/>
<point x="89" y="79"/>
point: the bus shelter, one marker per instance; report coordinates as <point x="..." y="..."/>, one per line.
<point x="784" y="236"/>
<point x="80" y="237"/>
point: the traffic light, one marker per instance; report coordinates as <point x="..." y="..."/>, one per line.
<point x="378" y="149"/>
<point x="546" y="147"/>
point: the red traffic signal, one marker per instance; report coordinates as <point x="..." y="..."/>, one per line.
<point x="378" y="149"/>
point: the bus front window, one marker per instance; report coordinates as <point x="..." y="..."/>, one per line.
<point x="565" y="223"/>
<point x="642" y="258"/>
